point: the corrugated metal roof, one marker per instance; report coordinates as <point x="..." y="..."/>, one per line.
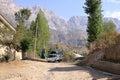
<point x="4" y="19"/>
<point x="9" y="19"/>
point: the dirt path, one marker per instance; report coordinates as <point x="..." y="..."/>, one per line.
<point x="37" y="70"/>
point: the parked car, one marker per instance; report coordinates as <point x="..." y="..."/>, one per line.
<point x="53" y="57"/>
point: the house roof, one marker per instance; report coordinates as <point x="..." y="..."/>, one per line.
<point x="6" y="22"/>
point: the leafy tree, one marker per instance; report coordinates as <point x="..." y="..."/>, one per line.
<point x="95" y="24"/>
<point x="19" y="35"/>
<point x="109" y="26"/>
<point x="33" y="28"/>
<point x="109" y="35"/>
<point x="21" y="16"/>
<point x="41" y="31"/>
<point x="25" y="43"/>
<point x="30" y="35"/>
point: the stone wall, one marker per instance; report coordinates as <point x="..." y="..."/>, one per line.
<point x="95" y="58"/>
<point x="107" y="66"/>
<point x="18" y="55"/>
<point x="4" y="49"/>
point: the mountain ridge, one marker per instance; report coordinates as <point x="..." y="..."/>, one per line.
<point x="71" y="32"/>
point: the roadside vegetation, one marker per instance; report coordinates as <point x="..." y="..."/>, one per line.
<point x="30" y="40"/>
<point x="36" y="37"/>
<point x="101" y="35"/>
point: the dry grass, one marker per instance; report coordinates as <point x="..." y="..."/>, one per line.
<point x="110" y="44"/>
<point x="112" y="53"/>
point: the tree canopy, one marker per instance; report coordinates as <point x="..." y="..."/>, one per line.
<point x="41" y="31"/>
<point x="95" y="24"/>
<point x="21" y="16"/>
<point x="109" y="26"/>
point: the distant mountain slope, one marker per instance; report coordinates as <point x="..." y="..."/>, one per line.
<point x="78" y="22"/>
<point x="72" y="32"/>
<point x="116" y="22"/>
<point x="7" y="9"/>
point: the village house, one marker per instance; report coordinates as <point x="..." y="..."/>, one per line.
<point x="4" y="24"/>
<point x="6" y="27"/>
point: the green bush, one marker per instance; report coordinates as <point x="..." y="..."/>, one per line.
<point x="68" y="56"/>
<point x="8" y="57"/>
<point x="2" y="59"/>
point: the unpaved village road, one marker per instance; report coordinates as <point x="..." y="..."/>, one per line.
<point x="40" y="70"/>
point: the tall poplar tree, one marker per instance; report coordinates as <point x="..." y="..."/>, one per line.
<point x="95" y="23"/>
<point x="42" y="33"/>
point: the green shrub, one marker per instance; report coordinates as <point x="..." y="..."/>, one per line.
<point x="68" y="56"/>
<point x="8" y="57"/>
<point x="84" y="54"/>
<point x="2" y="59"/>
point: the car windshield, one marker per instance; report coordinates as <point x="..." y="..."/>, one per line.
<point x="51" y="56"/>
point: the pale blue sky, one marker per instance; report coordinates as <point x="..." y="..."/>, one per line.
<point x="68" y="8"/>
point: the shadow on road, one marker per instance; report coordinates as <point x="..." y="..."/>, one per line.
<point x="66" y="69"/>
<point x="96" y="74"/>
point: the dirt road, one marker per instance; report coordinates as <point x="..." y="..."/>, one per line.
<point x="40" y="70"/>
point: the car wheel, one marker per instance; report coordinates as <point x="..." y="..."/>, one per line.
<point x="59" y="60"/>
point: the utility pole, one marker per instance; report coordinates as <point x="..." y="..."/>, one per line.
<point x="35" y="39"/>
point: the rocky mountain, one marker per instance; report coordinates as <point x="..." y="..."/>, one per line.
<point x="61" y="31"/>
<point x="7" y="9"/>
<point x="78" y="22"/>
<point x="71" y="32"/>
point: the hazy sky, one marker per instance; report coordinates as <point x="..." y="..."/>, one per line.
<point x="68" y="8"/>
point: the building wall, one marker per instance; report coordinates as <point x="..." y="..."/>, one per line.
<point x="3" y="36"/>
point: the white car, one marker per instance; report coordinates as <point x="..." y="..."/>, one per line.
<point x="54" y="58"/>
